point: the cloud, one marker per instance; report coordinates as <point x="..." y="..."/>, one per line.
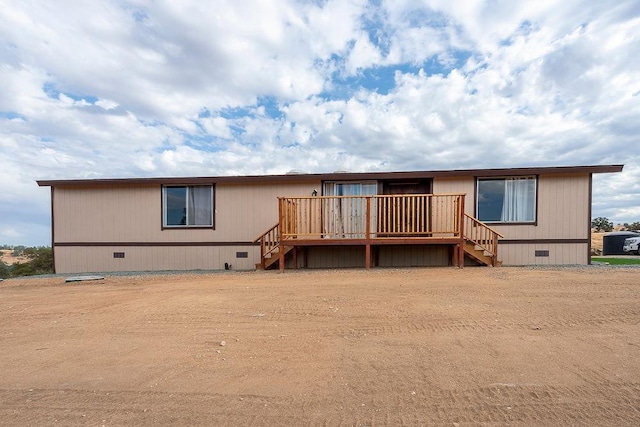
<point x="142" y="88"/>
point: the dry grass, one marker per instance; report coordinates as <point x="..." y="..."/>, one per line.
<point x="7" y="257"/>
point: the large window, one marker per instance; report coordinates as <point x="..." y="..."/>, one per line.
<point x="346" y="217"/>
<point x="187" y="206"/>
<point x="507" y="199"/>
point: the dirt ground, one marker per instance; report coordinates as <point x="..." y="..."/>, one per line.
<point x="437" y="346"/>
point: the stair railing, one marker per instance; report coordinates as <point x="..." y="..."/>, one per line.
<point x="480" y="234"/>
<point x="269" y="243"/>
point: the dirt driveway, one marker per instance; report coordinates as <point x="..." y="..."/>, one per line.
<point x="478" y="346"/>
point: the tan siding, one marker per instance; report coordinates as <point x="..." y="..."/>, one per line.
<point x="563" y="210"/>
<point x="105" y="214"/>
<point x="563" y="206"/>
<point x="563" y="213"/>
<point x="100" y="259"/>
<point x="245" y="211"/>
<point x="133" y="214"/>
<point x="457" y="186"/>
<point x="524" y="254"/>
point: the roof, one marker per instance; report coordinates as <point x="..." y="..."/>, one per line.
<point x="337" y="176"/>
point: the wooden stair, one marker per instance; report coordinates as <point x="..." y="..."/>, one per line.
<point x="481" y="242"/>
<point x="478" y="254"/>
<point x="271" y="260"/>
<point x="270" y="248"/>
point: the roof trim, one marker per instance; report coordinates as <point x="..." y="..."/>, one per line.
<point x="257" y="179"/>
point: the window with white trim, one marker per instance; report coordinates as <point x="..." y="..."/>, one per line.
<point x="187" y="206"/>
<point x="508" y="200"/>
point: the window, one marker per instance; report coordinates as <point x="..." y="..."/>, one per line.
<point x="506" y="199"/>
<point x="346" y="217"/>
<point x="190" y="206"/>
<point x="350" y="188"/>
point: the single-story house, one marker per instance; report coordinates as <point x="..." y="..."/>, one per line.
<point x="509" y="216"/>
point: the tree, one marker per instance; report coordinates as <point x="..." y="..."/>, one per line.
<point x="602" y="224"/>
<point x="633" y="226"/>
<point x="17" y="250"/>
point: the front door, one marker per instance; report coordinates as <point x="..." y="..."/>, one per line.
<point x="402" y="187"/>
<point x="406" y="217"/>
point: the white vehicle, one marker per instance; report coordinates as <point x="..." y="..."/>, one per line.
<point x="632" y="244"/>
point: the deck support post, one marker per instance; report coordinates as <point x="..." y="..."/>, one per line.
<point x="295" y="257"/>
<point x="281" y="257"/>
<point x="367" y="236"/>
<point x="262" y="253"/>
<point x="461" y="227"/>
<point x="367" y="255"/>
<point x="282" y="230"/>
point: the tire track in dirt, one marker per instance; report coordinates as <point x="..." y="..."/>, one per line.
<point x="528" y="404"/>
<point x="396" y="322"/>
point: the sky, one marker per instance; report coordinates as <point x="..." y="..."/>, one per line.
<point x="156" y="88"/>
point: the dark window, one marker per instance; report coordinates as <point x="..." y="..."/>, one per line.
<point x="188" y="206"/>
<point x="118" y="254"/>
<point x="506" y="199"/>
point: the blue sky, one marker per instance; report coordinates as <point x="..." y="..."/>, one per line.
<point x="143" y="88"/>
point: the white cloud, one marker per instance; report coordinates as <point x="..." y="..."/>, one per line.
<point x="110" y="89"/>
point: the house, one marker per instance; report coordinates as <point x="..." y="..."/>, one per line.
<point x="512" y="216"/>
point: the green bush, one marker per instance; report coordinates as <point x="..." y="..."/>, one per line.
<point x="5" y="270"/>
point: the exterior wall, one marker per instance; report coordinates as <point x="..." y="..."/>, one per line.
<point x="129" y="219"/>
<point x="91" y="223"/>
<point x="457" y="186"/>
<point x="562" y="220"/>
<point x="134" y="214"/>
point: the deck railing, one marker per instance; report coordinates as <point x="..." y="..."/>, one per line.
<point x="372" y="217"/>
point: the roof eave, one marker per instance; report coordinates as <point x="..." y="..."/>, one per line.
<point x="338" y="176"/>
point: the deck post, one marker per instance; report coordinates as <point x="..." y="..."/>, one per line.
<point x="262" y="250"/>
<point x="367" y="235"/>
<point x="280" y="227"/>
<point x="461" y="226"/>
<point x="295" y="257"/>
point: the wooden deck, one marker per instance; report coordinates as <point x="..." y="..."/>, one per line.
<point x="369" y="221"/>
